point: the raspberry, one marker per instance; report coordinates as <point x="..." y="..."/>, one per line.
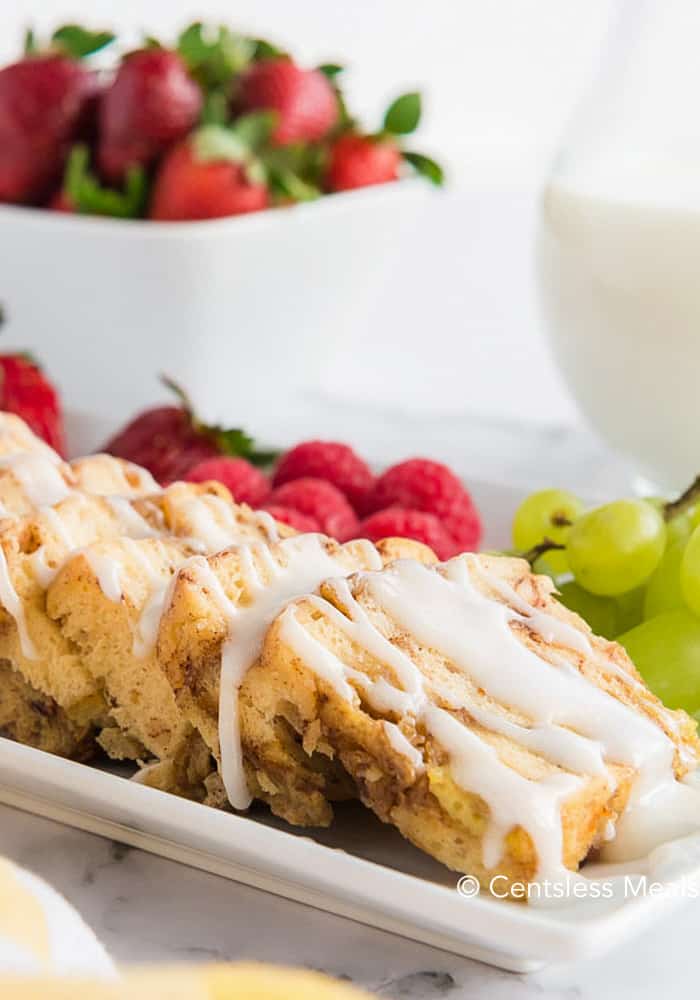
<point x="294" y="518"/>
<point x="336" y="463"/>
<point x="398" y="522"/>
<point x="464" y="525"/>
<point x="420" y="484"/>
<point x="320" y="500"/>
<point x="245" y="483"/>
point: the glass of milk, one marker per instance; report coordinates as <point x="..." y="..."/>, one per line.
<point x="619" y="244"/>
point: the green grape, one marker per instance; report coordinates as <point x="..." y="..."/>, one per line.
<point x="690" y="572"/>
<point x="607" y="616"/>
<point x="544" y="567"/>
<point x="616" y="547"/>
<point x="630" y="609"/>
<point x="666" y="651"/>
<point x="680" y="528"/>
<point x="601" y="613"/>
<point x="663" y="591"/>
<point x="546" y="514"/>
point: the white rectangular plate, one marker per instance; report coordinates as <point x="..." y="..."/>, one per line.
<point x="359" y="869"/>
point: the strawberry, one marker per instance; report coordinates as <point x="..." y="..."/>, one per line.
<point x="304" y="99"/>
<point x="43" y="101"/>
<point x="361" y="160"/>
<point x="397" y="522"/>
<point x="152" y="103"/>
<point x="245" y="483"/>
<point x="321" y="501"/>
<point x="170" y="440"/>
<point x="357" y="160"/>
<point x="294" y="518"/>
<point x="61" y="201"/>
<point x="336" y="463"/>
<point x="164" y="441"/>
<point x="25" y="390"/>
<point x="209" y="175"/>
<point x="421" y="484"/>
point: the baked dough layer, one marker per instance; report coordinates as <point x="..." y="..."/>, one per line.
<point x="338" y="685"/>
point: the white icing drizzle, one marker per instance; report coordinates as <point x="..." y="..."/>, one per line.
<point x="107" y="569"/>
<point x="213" y="520"/>
<point x="552" y="630"/>
<point x="575" y="724"/>
<point x="39" y="472"/>
<point x="512" y="799"/>
<point x="120" y="474"/>
<point x="40" y="567"/>
<point x="133" y="524"/>
<point x="609" y="831"/>
<point x="267" y="523"/>
<point x="571" y="751"/>
<point x="212" y="537"/>
<point x="10" y="600"/>
<point x="536" y="806"/>
<point x="655" y="814"/>
<point x="58" y="526"/>
<point x="555" y="630"/>
<point x="403" y="746"/>
<point x="145" y="481"/>
<point x="16" y="436"/>
<point x="43" y="572"/>
<point x="149" y="620"/>
<point x="270" y="584"/>
<point x="39" y="476"/>
<point x="146" y="630"/>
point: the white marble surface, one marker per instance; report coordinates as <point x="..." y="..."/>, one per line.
<point x="148" y="909"/>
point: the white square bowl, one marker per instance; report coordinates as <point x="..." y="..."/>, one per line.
<point x="242" y="311"/>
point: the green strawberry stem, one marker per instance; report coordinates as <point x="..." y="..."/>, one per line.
<point x="214" y="56"/>
<point x="331" y="70"/>
<point x="403" y="115"/>
<point x="229" y="441"/>
<point x="79" y="42"/>
<point x="425" y="166"/>
<point x="89" y="197"/>
<point x="71" y="40"/>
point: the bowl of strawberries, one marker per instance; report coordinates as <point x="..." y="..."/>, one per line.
<point x="208" y="207"/>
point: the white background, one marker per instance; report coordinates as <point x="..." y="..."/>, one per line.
<point x="500" y="79"/>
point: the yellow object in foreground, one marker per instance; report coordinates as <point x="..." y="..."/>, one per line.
<point x="23" y="923"/>
<point x="215" y="982"/>
<point x="41" y="934"/>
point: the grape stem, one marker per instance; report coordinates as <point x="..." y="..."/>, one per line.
<point x="546" y="545"/>
<point x="561" y="521"/>
<point x="687" y="498"/>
